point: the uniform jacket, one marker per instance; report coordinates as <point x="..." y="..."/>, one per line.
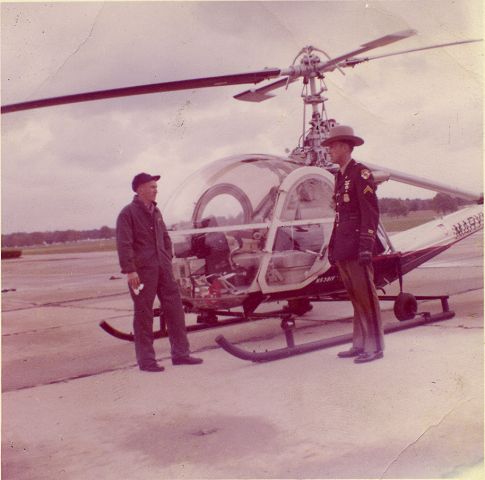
<point x="356" y="213"/>
<point x="141" y="237"/>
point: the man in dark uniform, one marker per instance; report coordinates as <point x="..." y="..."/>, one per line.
<point x="145" y="255"/>
<point x="353" y="243"/>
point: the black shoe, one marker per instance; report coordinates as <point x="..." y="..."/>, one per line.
<point x="353" y="352"/>
<point x="188" y="360"/>
<point x="369" y="357"/>
<point x="152" y="368"/>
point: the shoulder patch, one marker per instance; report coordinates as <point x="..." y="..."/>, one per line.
<point x="368" y="190"/>
<point x="365" y="173"/>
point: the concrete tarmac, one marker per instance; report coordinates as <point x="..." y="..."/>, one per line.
<point x="75" y="406"/>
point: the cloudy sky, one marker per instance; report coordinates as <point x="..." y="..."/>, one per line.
<point x="71" y="166"/>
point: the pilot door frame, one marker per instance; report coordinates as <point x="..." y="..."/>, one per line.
<point x="320" y="265"/>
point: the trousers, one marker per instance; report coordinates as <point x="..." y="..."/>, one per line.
<point x="358" y="280"/>
<point x="158" y="281"/>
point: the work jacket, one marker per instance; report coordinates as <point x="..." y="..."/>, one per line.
<point x="356" y="213"/>
<point x="142" y="239"/>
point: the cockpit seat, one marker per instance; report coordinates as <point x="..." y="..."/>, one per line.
<point x="246" y="260"/>
<point x="292" y="265"/>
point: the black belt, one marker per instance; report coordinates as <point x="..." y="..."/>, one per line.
<point x="345" y="218"/>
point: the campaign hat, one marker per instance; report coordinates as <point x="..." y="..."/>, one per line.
<point x="342" y="133"/>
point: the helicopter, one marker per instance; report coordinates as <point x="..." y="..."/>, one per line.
<point x="254" y="228"/>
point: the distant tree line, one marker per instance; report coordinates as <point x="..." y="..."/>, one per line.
<point x="22" y="239"/>
<point x="440" y="203"/>
<point x="395" y="207"/>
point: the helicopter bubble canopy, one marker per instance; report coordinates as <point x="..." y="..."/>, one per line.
<point x="249" y="223"/>
<point x="236" y="190"/>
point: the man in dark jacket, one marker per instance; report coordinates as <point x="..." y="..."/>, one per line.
<point x="353" y="243"/>
<point x="145" y="255"/>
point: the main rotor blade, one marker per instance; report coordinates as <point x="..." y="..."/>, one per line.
<point x="223" y="80"/>
<point x="355" y="61"/>
<point x="260" y="94"/>
<point x="379" y="42"/>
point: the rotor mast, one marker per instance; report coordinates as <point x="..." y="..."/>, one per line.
<point x="310" y="150"/>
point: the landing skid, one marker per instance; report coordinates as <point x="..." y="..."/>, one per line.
<point x="235" y="318"/>
<point x="288" y="324"/>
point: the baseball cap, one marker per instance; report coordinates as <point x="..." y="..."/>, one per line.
<point x="142" y="178"/>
